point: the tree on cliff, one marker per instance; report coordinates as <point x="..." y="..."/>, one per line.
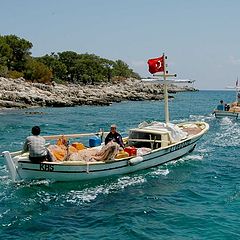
<point x="67" y="66"/>
<point x="90" y="68"/>
<point x="121" y="69"/>
<point x="5" y="52"/>
<point x="5" y="55"/>
<point x="16" y="60"/>
<point x="59" y="69"/>
<point x="37" y="71"/>
<point x="18" y="51"/>
<point x="68" y="58"/>
<point x="85" y="68"/>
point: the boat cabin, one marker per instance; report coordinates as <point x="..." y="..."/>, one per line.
<point x="149" y="138"/>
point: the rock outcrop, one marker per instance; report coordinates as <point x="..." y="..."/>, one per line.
<point x="19" y="93"/>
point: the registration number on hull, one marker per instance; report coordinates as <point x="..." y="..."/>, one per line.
<point x="46" y="167"/>
<point x="179" y="146"/>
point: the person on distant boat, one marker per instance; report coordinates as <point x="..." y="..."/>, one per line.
<point x="114" y="136"/>
<point x="221" y="106"/>
<point x="35" y="144"/>
<point x="226" y="107"/>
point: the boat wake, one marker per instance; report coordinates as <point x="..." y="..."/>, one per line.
<point x="226" y="121"/>
<point x="192" y="118"/>
<point x="203" y="118"/>
<point x="163" y="172"/>
<point x="47" y="192"/>
<point x="192" y="157"/>
<point x="187" y="158"/>
<point x="91" y="193"/>
<point x="228" y="136"/>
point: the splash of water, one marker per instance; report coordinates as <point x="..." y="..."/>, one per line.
<point x="90" y="194"/>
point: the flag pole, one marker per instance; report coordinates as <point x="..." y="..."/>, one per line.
<point x="159" y="65"/>
<point x="166" y="109"/>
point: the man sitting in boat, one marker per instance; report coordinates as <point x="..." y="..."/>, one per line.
<point x="35" y="144"/>
<point x="114" y="136"/>
<point x="221" y="106"/>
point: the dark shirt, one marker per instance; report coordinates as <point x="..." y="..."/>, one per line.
<point x="227" y="107"/>
<point x="116" y="137"/>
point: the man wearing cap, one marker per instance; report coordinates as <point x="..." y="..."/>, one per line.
<point x="114" y="136"/>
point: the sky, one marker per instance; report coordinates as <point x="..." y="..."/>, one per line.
<point x="200" y="37"/>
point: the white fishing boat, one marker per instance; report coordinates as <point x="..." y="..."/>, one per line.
<point x="155" y="143"/>
<point x="231" y="110"/>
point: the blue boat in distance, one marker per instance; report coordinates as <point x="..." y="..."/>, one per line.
<point x="231" y="110"/>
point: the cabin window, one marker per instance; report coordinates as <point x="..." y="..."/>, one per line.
<point x="144" y="136"/>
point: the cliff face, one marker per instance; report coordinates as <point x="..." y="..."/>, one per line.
<point x="22" y="94"/>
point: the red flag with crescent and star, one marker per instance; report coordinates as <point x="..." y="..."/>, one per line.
<point x="156" y="64"/>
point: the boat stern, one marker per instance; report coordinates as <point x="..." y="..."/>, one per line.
<point x="230" y="114"/>
<point x="12" y="168"/>
<point x="194" y="128"/>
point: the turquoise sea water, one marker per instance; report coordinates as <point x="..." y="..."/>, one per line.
<point x="197" y="197"/>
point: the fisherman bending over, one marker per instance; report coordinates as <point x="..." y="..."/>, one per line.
<point x="114" y="136"/>
<point x="35" y="144"/>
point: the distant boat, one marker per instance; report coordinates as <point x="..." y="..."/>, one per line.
<point x="231" y="110"/>
<point x="155" y="144"/>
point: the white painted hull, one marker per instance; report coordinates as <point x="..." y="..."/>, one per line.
<point x="222" y="114"/>
<point x="58" y="172"/>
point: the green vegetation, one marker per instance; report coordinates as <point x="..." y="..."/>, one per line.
<point x="63" y="67"/>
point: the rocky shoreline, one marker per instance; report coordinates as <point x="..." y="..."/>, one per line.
<point x="18" y="93"/>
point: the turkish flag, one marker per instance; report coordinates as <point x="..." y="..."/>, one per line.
<point x="156" y="64"/>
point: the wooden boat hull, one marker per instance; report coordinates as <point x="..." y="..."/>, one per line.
<point x="75" y="171"/>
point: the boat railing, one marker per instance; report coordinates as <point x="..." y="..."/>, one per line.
<point x="77" y="135"/>
<point x="13" y="154"/>
<point x="55" y="137"/>
<point x="147" y="140"/>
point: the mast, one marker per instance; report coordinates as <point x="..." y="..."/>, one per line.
<point x="159" y="65"/>
<point x="166" y="108"/>
<point x="237" y="90"/>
